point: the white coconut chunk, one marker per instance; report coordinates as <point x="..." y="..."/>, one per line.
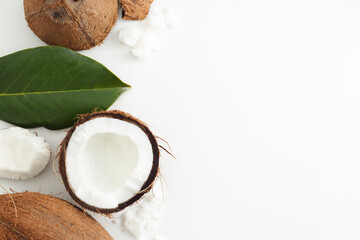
<point x="23" y="154"/>
<point x="130" y="35"/>
<point x="108" y="161"/>
<point x="161" y="17"/>
<point x="142" y="220"/>
<point x="149" y="42"/>
<point x="145" y="37"/>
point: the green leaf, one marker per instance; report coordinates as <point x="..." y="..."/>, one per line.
<point x="49" y="86"/>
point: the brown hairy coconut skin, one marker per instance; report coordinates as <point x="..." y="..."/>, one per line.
<point x="76" y="24"/>
<point x="135" y="9"/>
<point x="38" y="216"/>
<point x="148" y="183"/>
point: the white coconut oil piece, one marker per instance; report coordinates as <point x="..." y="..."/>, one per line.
<point x="149" y="42"/>
<point x="131" y="35"/>
<point x="162" y="17"/>
<point x="142" y="219"/>
<point x="23" y="154"/>
<point x="144" y="37"/>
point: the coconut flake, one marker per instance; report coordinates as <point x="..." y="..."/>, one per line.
<point x="23" y="154"/>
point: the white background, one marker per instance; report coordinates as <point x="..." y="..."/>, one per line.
<point x="260" y="102"/>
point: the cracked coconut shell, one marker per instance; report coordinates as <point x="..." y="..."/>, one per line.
<point x="135" y="9"/>
<point x="76" y="24"/>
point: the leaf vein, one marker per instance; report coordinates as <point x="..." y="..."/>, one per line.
<point x="61" y="91"/>
<point x="20" y="75"/>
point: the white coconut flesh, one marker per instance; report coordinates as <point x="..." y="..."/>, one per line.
<point x="23" y="154"/>
<point x="108" y="161"/>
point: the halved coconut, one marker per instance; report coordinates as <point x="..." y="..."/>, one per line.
<point x="108" y="161"/>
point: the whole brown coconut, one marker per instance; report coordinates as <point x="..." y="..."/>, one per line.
<point x="38" y="216"/>
<point x="76" y="24"/>
<point x="119" y="115"/>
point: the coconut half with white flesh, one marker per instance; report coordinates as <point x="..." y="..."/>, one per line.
<point x="23" y="154"/>
<point x="108" y="161"/>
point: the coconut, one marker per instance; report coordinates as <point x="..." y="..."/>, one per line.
<point x="76" y="24"/>
<point x="108" y="161"/>
<point x="24" y="154"/>
<point x="38" y="216"/>
<point x="135" y="9"/>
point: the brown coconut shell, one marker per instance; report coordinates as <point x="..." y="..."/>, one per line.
<point x="32" y="215"/>
<point x="76" y="24"/>
<point x="147" y="184"/>
<point x="135" y="9"/>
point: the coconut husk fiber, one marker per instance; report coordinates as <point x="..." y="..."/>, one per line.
<point x="35" y="216"/>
